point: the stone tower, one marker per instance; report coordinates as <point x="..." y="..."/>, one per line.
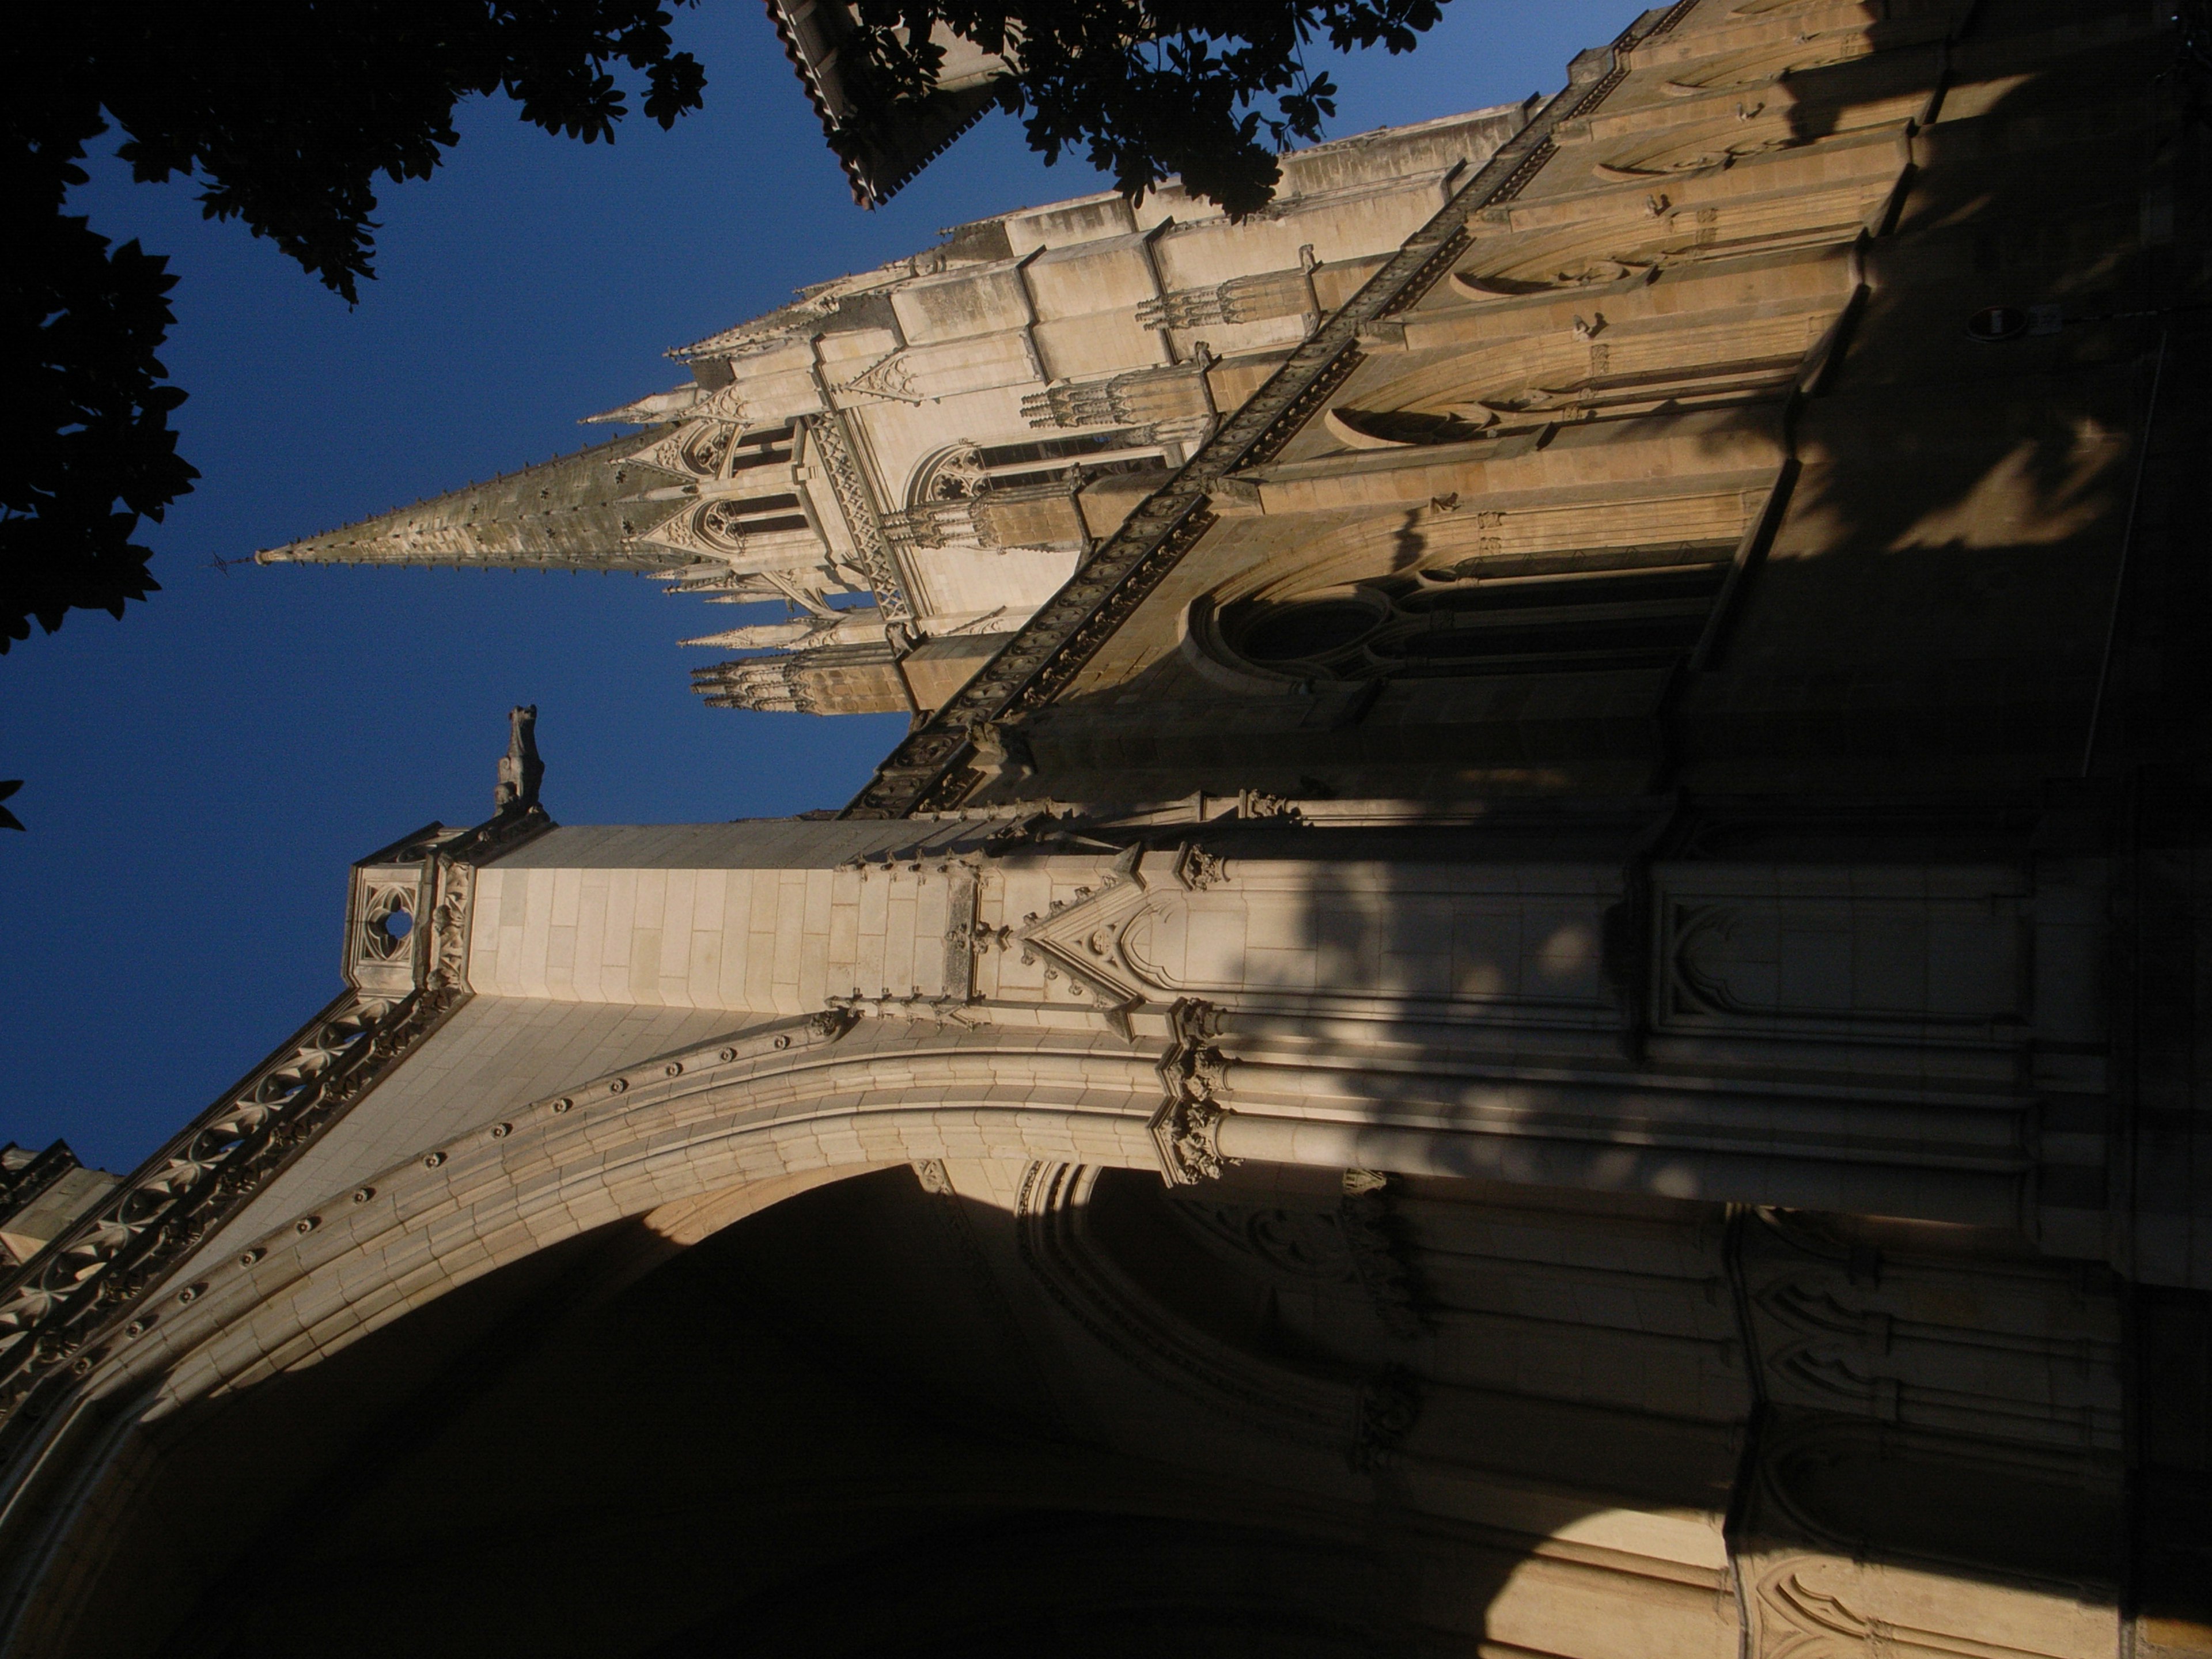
<point x="914" y="459"/>
<point x="1544" y="1005"/>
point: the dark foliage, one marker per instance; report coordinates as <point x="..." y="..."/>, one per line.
<point x="1210" y="90"/>
<point x="87" y="446"/>
<point x="286" y="115"/>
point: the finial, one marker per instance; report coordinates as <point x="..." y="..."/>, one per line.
<point x="520" y="771"/>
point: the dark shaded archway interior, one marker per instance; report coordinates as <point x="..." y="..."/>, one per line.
<point x="878" y="1419"/>
<point x="815" y="1432"/>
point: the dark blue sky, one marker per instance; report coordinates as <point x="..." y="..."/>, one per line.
<point x="200" y="773"/>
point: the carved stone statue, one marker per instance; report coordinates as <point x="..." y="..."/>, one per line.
<point x="520" y="771"/>
<point x="1001" y="751"/>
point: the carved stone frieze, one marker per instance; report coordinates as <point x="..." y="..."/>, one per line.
<point x="1817" y="1608"/>
<point x="828" y="445"/>
<point x="1199" y="870"/>
<point x="1187" y="1128"/>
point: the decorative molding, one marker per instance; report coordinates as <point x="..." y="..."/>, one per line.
<point x="679" y="532"/>
<point x="1724" y="957"/>
<point x="1082" y="940"/>
<point x="1359" y="1243"/>
<point x="21" y="1182"/>
<point x="805" y="683"/>
<point x="1366" y="1417"/>
<point x="1259" y="297"/>
<point x="1800" y="1618"/>
<point x="1389" y="1404"/>
<point x="66" y="1309"/>
<point x="724" y="405"/>
<point x="1187" y="1128"/>
<point x="1199" y="870"/>
<point x="1801" y="1621"/>
<point x="1922" y="1349"/>
<point x="1303" y="1244"/>
<point x="696" y="449"/>
<point x="945" y="1010"/>
<point x="828" y="442"/>
<point x="1175" y="402"/>
<point x="928" y="772"/>
<point x="1377" y="1250"/>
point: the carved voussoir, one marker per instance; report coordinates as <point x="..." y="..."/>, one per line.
<point x="1187" y="1128"/>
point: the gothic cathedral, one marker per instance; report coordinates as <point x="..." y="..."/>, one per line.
<point x="1528" y="988"/>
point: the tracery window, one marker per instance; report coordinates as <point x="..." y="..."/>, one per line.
<point x="717" y="449"/>
<point x="727" y="524"/>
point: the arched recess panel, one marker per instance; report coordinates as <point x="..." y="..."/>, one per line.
<point x="1790" y="198"/>
<point x="1514" y="583"/>
<point x="1729" y="123"/>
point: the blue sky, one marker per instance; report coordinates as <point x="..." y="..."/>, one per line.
<point x="200" y="773"/>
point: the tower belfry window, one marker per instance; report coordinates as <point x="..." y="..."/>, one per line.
<point x="770" y="446"/>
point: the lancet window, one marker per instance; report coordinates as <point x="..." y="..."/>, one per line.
<point x="770" y="446"/>
<point x="727" y="524"/>
<point x="715" y="450"/>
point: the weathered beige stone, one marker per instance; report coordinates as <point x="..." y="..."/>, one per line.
<point x="1561" y="1027"/>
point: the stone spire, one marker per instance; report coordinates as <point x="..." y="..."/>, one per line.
<point x="577" y="512"/>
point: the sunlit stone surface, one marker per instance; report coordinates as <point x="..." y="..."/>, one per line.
<point x="1529" y="988"/>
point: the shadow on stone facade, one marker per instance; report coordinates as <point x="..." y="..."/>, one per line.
<point x="831" y="1429"/>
